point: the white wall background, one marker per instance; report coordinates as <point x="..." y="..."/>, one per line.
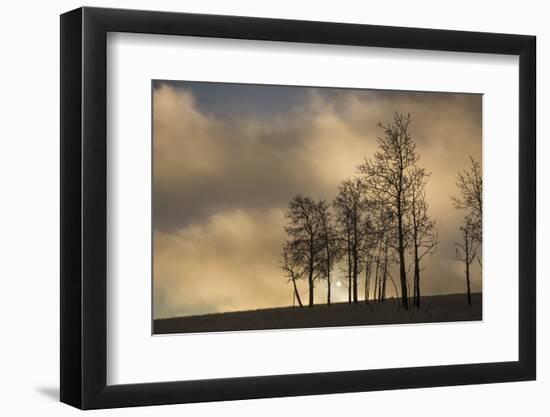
<point x="29" y="208"/>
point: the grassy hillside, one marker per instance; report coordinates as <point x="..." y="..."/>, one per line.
<point x="441" y="308"/>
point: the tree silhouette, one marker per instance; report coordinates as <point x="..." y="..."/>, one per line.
<point x="304" y="229"/>
<point x="330" y="250"/>
<point x="293" y="266"/>
<point x="470" y="186"/>
<point x="388" y="177"/>
<point x="351" y="205"/>
<point x="370" y="245"/>
<point x="424" y="236"/>
<point x="466" y="251"/>
<point x="377" y="220"/>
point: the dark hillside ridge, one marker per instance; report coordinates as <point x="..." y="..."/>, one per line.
<point x="438" y="308"/>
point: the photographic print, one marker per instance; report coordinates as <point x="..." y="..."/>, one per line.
<point x="279" y="207"/>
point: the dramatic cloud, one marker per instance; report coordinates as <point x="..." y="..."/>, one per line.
<point x="228" y="158"/>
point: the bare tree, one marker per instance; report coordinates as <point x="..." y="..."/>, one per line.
<point x="304" y="230"/>
<point x="293" y="266"/>
<point x="466" y="251"/>
<point x="381" y="269"/>
<point x="330" y="251"/>
<point x="369" y="247"/>
<point x="470" y="187"/>
<point x="351" y="205"/>
<point x="424" y="236"/>
<point x="388" y="177"/>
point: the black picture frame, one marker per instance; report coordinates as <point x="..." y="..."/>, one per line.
<point x="84" y="207"/>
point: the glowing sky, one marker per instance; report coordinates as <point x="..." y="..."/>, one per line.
<point x="229" y="157"/>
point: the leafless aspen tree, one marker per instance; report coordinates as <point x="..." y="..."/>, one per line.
<point x="466" y="251"/>
<point x="388" y="176"/>
<point x="329" y="252"/>
<point x="292" y="265"/>
<point x="470" y="186"/>
<point x="424" y="237"/>
<point x="351" y="205"/>
<point x="304" y="230"/>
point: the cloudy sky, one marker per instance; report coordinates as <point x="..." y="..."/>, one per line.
<point x="227" y="158"/>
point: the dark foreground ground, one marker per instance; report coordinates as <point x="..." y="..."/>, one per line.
<point x="439" y="308"/>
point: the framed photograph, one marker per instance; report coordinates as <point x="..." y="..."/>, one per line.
<point x="257" y="208"/>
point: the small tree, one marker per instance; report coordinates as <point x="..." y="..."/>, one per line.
<point x="293" y="266"/>
<point x="304" y="230"/>
<point x="470" y="187"/>
<point x="466" y="251"/>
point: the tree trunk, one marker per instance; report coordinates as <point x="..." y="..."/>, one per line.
<point x="328" y="277"/>
<point x="355" y="268"/>
<point x="416" y="277"/>
<point x="385" y="275"/>
<point x="377" y="274"/>
<point x="310" y="279"/>
<point x="349" y="268"/>
<point x="367" y="273"/>
<point x="296" y="293"/>
<point x="402" y="270"/>
<point x="416" y="290"/>
<point x="467" y="257"/>
<point x="355" y="257"/>
<point x="310" y="273"/>
<point x="468" y="283"/>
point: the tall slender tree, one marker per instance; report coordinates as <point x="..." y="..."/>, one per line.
<point x="466" y="251"/>
<point x="369" y="247"/>
<point x="385" y="232"/>
<point x="330" y="250"/>
<point x="388" y="177"/>
<point x="424" y="236"/>
<point x="352" y="205"/>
